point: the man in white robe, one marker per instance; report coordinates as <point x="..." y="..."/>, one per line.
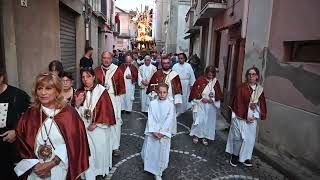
<point x="156" y="146"/>
<point x="187" y="78"/>
<point x="130" y="73"/>
<point x="145" y="73"/>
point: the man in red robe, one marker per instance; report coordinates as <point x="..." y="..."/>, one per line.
<point x="72" y="130"/>
<point x="111" y="77"/>
<point x="130" y="73"/>
<point x="172" y="79"/>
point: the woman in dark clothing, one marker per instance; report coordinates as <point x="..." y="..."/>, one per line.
<point x="56" y="67"/>
<point x="13" y="102"/>
<point x="86" y="61"/>
<point x="68" y="91"/>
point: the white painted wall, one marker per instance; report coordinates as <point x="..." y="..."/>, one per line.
<point x="182" y="44"/>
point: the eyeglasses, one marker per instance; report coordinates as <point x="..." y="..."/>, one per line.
<point x="252" y="74"/>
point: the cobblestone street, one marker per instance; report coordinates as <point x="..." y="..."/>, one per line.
<point x="187" y="160"/>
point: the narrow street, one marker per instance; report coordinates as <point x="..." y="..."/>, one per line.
<point x="187" y="160"/>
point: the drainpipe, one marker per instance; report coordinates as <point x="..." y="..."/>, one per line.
<point x="245" y="19"/>
<point x="209" y="43"/>
<point x="87" y="21"/>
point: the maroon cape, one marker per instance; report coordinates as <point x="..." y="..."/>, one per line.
<point x="242" y="99"/>
<point x="73" y="131"/>
<point x="200" y="85"/>
<point x="159" y="76"/>
<point x="103" y="112"/>
<point x="117" y="80"/>
<point x="134" y="72"/>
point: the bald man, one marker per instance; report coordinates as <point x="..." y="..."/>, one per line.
<point x="146" y="71"/>
<point x="111" y="77"/>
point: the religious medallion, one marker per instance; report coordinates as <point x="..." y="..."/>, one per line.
<point x="211" y="95"/>
<point x="107" y="86"/>
<point x="87" y="114"/>
<point x="45" y="151"/>
<point x="253" y="106"/>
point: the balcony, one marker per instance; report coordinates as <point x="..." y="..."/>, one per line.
<point x="208" y="8"/>
<point x="190" y="28"/>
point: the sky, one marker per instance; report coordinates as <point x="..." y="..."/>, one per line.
<point x="132" y="4"/>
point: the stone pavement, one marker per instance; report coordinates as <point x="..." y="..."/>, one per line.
<point x="187" y="160"/>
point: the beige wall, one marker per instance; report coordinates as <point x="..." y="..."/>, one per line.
<point x="9" y="44"/>
<point x="37" y="38"/>
<point x="94" y="40"/>
<point x="80" y="44"/>
<point x="124" y="22"/>
<point x="32" y="38"/>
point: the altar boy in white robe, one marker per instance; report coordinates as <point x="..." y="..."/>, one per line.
<point x="205" y="97"/>
<point x="187" y="78"/>
<point x="159" y="128"/>
<point x="145" y="73"/>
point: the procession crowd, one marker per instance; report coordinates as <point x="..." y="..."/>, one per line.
<point x="64" y="132"/>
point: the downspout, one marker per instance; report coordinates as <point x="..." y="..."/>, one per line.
<point x="245" y="19"/>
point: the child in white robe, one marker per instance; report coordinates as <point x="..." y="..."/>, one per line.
<point x="156" y="146"/>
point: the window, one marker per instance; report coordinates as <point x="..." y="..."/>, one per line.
<point x="302" y="51"/>
<point x="217" y="50"/>
<point x="96" y="5"/>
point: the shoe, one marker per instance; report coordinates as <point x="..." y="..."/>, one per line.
<point x="195" y="140"/>
<point x="205" y="142"/>
<point x="234" y="160"/>
<point x="158" y="177"/>
<point x="116" y="153"/>
<point x="247" y="163"/>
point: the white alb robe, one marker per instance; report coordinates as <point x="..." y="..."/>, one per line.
<point x="176" y="99"/>
<point x="155" y="153"/>
<point x="127" y="100"/>
<point x="145" y="73"/>
<point x="116" y="102"/>
<point x="187" y="78"/>
<point x="99" y="139"/>
<point x="58" y="172"/>
<point x="205" y="115"/>
<point x="242" y="135"/>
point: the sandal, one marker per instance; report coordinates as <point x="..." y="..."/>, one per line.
<point x="195" y="140"/>
<point x="205" y="142"/>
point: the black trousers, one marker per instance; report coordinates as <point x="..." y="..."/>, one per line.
<point x="7" y="159"/>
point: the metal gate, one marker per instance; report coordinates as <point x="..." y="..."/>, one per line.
<point x="68" y="40"/>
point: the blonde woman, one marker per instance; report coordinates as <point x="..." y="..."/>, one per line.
<point x="51" y="137"/>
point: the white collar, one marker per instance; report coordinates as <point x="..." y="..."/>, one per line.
<point x="49" y="111"/>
